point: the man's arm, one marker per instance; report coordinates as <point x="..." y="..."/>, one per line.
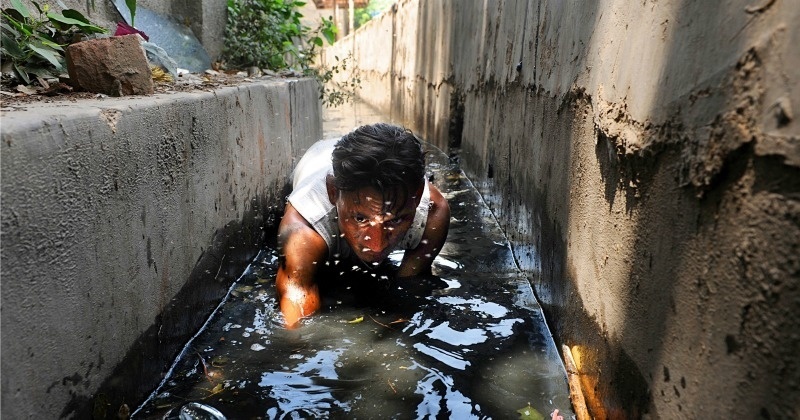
<point x="418" y="260"/>
<point x="302" y="249"/>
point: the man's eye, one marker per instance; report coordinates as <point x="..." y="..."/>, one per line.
<point x="394" y="222"/>
<point x="360" y="218"/>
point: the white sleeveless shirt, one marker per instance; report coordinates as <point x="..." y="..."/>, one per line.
<point x="310" y="198"/>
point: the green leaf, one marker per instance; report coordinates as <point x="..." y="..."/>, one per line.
<point x="20" y="7"/>
<point x="22" y="73"/>
<point x="63" y="19"/>
<point x="21" y="27"/>
<point x="66" y="22"/>
<point x="48" y="54"/>
<point x="316" y="41"/>
<point x="132" y="8"/>
<point x="40" y="71"/>
<point x="50" y="44"/>
<point x="74" y="14"/>
<point x="330" y="35"/>
<point x="529" y="413"/>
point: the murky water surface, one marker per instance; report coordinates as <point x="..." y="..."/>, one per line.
<point x="467" y="342"/>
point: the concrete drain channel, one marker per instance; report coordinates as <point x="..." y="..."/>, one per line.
<point x="468" y="341"/>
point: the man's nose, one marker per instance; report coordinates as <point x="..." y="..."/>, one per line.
<point x="376" y="238"/>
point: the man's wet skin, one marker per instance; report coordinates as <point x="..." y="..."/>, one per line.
<point x="371" y="225"/>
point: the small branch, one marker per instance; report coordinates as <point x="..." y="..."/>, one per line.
<point x="575" y="393"/>
<point x="205" y="367"/>
<point x="380" y="323"/>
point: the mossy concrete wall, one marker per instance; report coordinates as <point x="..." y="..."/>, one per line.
<point x="123" y="221"/>
<point x="644" y="160"/>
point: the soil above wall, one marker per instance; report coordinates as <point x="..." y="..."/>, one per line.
<point x="13" y="96"/>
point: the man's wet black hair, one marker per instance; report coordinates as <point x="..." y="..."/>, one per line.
<point x="383" y="156"/>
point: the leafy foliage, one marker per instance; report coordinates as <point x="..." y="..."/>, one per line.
<point x="332" y="92"/>
<point x="374" y="8"/>
<point x="34" y="43"/>
<point x="270" y="34"/>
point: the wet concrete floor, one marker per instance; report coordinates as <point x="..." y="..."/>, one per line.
<point x="470" y="341"/>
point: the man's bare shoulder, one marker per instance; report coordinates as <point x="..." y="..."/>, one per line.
<point x="294" y="229"/>
<point x="440" y="208"/>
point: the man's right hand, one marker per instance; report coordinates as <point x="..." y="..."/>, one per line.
<point x="301" y="249"/>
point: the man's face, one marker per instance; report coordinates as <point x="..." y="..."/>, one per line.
<point x="370" y="226"/>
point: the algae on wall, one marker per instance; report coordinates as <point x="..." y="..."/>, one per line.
<point x="644" y="159"/>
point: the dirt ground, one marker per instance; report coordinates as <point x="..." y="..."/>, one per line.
<point x="14" y="97"/>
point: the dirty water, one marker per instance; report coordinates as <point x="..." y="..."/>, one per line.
<point x="468" y="341"/>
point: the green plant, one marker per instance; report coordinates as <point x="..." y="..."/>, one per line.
<point x="131" y="8"/>
<point x="374" y="8"/>
<point x="34" y="44"/>
<point x="270" y="34"/>
<point x="332" y="91"/>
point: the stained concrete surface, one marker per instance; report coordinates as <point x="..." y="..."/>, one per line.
<point x="123" y="220"/>
<point x="649" y="153"/>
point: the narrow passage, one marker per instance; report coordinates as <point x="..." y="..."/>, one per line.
<point x="468" y="342"/>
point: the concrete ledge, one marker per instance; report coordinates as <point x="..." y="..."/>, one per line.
<point x="112" y="207"/>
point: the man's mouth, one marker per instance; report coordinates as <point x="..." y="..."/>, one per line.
<point x="371" y="257"/>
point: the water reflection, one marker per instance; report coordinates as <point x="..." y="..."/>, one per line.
<point x="468" y="341"/>
<point x="304" y="390"/>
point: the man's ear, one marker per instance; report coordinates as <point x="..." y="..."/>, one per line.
<point x="332" y="193"/>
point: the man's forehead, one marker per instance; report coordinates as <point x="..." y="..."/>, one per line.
<point x="394" y="201"/>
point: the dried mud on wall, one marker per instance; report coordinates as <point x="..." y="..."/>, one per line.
<point x="644" y="159"/>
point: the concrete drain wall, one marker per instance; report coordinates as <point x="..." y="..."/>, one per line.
<point x="644" y="160"/>
<point x="123" y="221"/>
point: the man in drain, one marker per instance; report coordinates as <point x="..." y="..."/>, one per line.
<point x="355" y="200"/>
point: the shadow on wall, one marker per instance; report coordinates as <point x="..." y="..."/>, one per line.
<point x="521" y="138"/>
<point x="638" y="171"/>
<point x="232" y="249"/>
<point x="717" y="223"/>
<point x="713" y="223"/>
<point x="678" y="231"/>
